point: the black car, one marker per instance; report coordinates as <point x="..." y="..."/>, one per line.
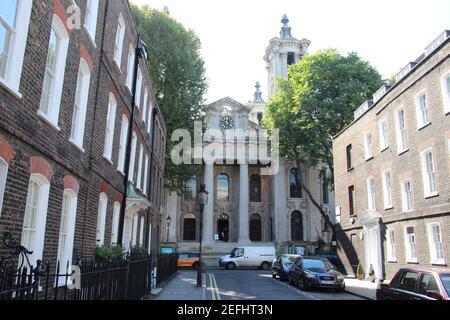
<point x="416" y="284"/>
<point x="315" y="272"/>
<point x="282" y="264"/>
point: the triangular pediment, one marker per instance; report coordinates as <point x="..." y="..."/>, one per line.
<point x="228" y="105"/>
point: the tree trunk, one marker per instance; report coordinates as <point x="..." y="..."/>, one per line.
<point x="308" y="192"/>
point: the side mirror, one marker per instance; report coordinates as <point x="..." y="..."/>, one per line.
<point x="384" y="286"/>
<point x="434" y="295"/>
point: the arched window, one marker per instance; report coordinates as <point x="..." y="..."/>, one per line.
<point x="101" y="218"/>
<point x="255" y="228"/>
<point x="190" y="189"/>
<point x="223" y="187"/>
<point x="110" y="124"/>
<point x="296" y="226"/>
<point x="189" y="227"/>
<point x="295" y="186"/>
<point x="115" y="223"/>
<point x="255" y="188"/>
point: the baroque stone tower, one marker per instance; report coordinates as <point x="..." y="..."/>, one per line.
<point x="282" y="52"/>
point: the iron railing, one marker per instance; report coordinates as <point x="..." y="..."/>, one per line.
<point x="128" y="279"/>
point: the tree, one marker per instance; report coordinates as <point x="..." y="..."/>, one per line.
<point x="314" y="104"/>
<point x="179" y="79"/>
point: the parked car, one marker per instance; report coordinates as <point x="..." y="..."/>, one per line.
<point x="260" y="257"/>
<point x="416" y="284"/>
<point x="282" y="264"/>
<point x="315" y="272"/>
<point x="189" y="260"/>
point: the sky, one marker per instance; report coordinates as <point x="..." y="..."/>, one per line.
<point x="235" y="33"/>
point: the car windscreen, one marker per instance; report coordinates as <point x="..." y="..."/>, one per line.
<point x="288" y="260"/>
<point x="316" y="265"/>
<point x="445" y="278"/>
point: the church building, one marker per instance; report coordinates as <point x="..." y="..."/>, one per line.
<point x="246" y="207"/>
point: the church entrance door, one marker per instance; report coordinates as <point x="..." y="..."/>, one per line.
<point x="223" y="228"/>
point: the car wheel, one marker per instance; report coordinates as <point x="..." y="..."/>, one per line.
<point x="301" y="284"/>
<point x="290" y="280"/>
<point x="230" y="266"/>
<point x="274" y="276"/>
<point x="265" y="266"/>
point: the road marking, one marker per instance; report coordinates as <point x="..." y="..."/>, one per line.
<point x="215" y="294"/>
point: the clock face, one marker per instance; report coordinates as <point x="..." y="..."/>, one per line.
<point x="226" y="123"/>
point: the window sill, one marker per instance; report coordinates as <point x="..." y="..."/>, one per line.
<point x="350" y="169"/>
<point x="76" y="145"/>
<point x="11" y="90"/>
<point x="369" y="158"/>
<point x="107" y="159"/>
<point x="402" y="152"/>
<point x="384" y="149"/>
<point x="446" y="112"/>
<point x="412" y="261"/>
<point x="120" y="171"/>
<point x="91" y="38"/>
<point x="432" y="195"/>
<point x="44" y="117"/>
<point x="389" y="208"/>
<point x="117" y="65"/>
<point x="424" y="126"/>
<point x="392" y="261"/>
<point x="438" y="263"/>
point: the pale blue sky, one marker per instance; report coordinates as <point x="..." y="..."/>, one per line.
<point x="235" y="34"/>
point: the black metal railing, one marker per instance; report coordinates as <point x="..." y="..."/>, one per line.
<point x="128" y="279"/>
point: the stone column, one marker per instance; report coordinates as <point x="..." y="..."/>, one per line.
<point x="208" y="213"/>
<point x="243" y="204"/>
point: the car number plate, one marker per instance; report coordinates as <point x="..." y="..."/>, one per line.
<point x="327" y="282"/>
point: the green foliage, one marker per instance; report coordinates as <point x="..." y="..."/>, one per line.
<point x="317" y="102"/>
<point x="179" y="80"/>
<point x="360" y="269"/>
<point x="138" y="252"/>
<point x="108" y="254"/>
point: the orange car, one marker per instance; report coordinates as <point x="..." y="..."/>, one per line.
<point x="190" y="260"/>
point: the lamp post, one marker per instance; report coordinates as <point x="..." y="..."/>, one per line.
<point x="202" y="200"/>
<point x="169" y="219"/>
<point x="141" y="52"/>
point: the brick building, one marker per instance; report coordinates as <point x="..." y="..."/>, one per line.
<point x="392" y="171"/>
<point x="65" y="105"/>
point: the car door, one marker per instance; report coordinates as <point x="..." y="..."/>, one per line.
<point x="295" y="270"/>
<point x="276" y="266"/>
<point x="427" y="283"/>
<point x="406" y="288"/>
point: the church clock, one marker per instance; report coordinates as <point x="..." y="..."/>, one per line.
<point x="226" y="123"/>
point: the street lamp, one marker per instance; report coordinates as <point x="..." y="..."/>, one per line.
<point x="169" y="219"/>
<point x="202" y="200"/>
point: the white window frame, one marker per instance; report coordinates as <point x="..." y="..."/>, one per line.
<point x="123" y="141"/>
<point x="410" y="259"/>
<point x="130" y="67"/>
<point x="149" y="238"/>
<point x="66" y="252"/>
<point x="434" y="259"/>
<point x="3" y="176"/>
<point x="371" y="204"/>
<point x="150" y="115"/>
<point x="368" y="146"/>
<point x="384" y="138"/>
<point x="133" y="157"/>
<point x="390" y="245"/>
<point x="134" y="231"/>
<point x="16" y="52"/>
<point x="139" y="88"/>
<point x="145" y="187"/>
<point x="115" y="223"/>
<point x="422" y="121"/>
<point x="118" y="42"/>
<point x="141" y="231"/>
<point x="80" y="105"/>
<point x="402" y="135"/>
<point x="425" y="174"/>
<point x="101" y="218"/>
<point x="37" y="243"/>
<point x="404" y="195"/>
<point x="445" y="92"/>
<point x="139" y="174"/>
<point x="90" y="20"/>
<point x="110" y="127"/>
<point x="144" y="105"/>
<point x="52" y="115"/>
<point x="387" y="189"/>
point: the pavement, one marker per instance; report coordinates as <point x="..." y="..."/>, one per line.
<point x="361" y="288"/>
<point x="219" y="284"/>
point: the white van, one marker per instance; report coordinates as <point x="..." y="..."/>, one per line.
<point x="261" y="257"/>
